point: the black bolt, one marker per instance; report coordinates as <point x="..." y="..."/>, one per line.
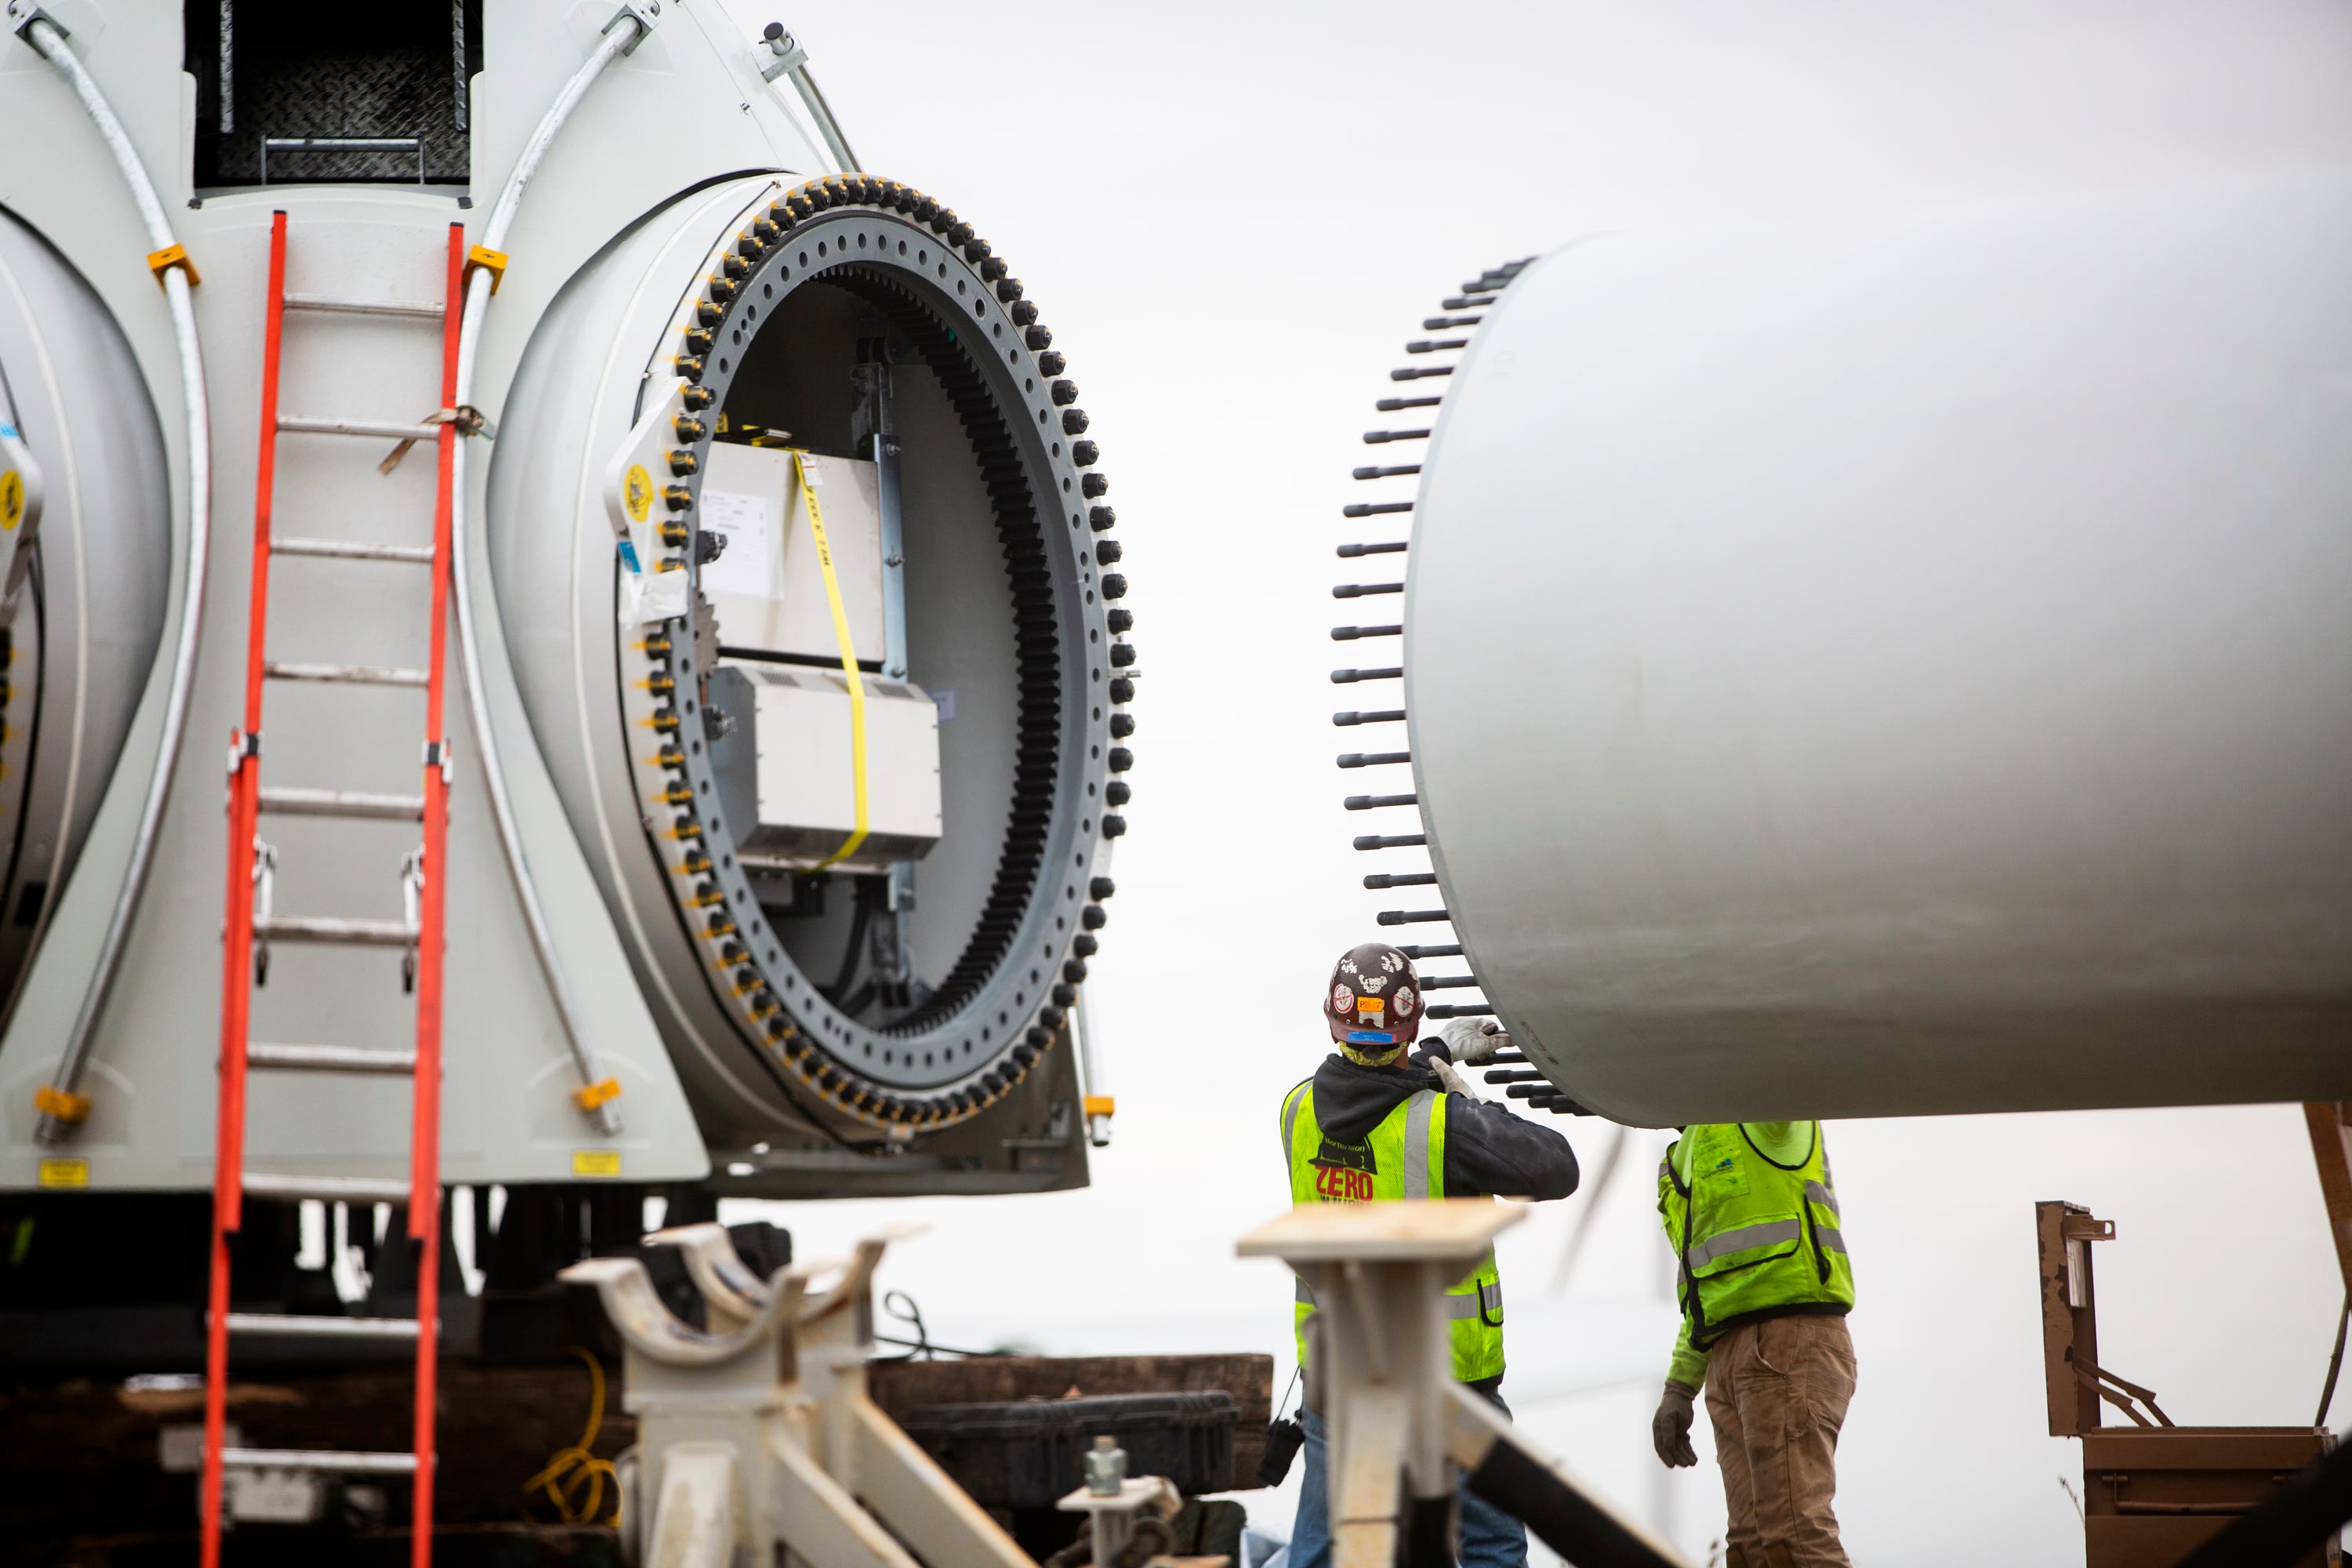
<point x="1025" y="313"/>
<point x="1122" y="725"/>
<point x="690" y="429"/>
<point x="1041" y="1037"/>
<point x="1035" y="337"/>
<point x="1085" y="454"/>
<point x="698" y="397"/>
<point x="1052" y="363"/>
<point x="1064" y="392"/>
<point x="1123" y="654"/>
<point x="1122" y="759"/>
<point x="1050" y="1015"/>
<point x="1063" y="995"/>
<point x="1093" y="486"/>
<point x="1084" y="945"/>
<point x="1109" y="550"/>
<point x="688" y="366"/>
<point x="1121" y="619"/>
<point x="993" y="268"/>
<point x="1009" y="289"/>
<point x="1074" y="421"/>
<point x="1094" y="917"/>
<point x="1102" y="887"/>
<point x="1099" y="518"/>
<point x="1113" y="587"/>
<point x="697" y="341"/>
<point x="1073" y="972"/>
<point x="1114" y="827"/>
<point x="1122" y="689"/>
<point x="1116" y="792"/>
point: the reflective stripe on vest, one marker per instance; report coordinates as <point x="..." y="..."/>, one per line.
<point x="1752" y="1237"/>
<point x="1403" y="1157"/>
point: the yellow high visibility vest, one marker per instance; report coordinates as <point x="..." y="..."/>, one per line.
<point x="1403" y="1157"/>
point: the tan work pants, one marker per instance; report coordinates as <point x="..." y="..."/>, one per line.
<point x="1777" y="1392"/>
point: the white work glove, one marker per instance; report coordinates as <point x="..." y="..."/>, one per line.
<point x="1447" y="1079"/>
<point x="1670" y="1428"/>
<point x="1472" y="1040"/>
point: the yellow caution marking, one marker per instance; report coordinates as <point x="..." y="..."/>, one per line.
<point x="65" y="1172"/>
<point x="12" y="499"/>
<point x="848" y="661"/>
<point x="589" y="1098"/>
<point x="595" y="1162"/>
<point x="1100" y="1105"/>
<point x="162" y="261"/>
<point x="636" y="491"/>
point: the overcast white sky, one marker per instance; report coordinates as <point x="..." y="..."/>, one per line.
<point x="1232" y="215"/>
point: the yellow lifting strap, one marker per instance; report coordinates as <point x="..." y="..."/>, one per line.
<point x="801" y="472"/>
<point x="162" y="261"/>
<point x="62" y="1104"/>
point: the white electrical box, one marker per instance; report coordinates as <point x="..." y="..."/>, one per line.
<point x="767" y="587"/>
<point x="807" y="781"/>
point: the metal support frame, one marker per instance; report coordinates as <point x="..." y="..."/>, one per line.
<point x="758" y="1431"/>
<point x="1403" y="1432"/>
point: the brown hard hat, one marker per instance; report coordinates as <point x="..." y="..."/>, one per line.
<point x="1374" y="998"/>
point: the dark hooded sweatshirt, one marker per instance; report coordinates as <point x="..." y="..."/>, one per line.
<point x="1489" y="1153"/>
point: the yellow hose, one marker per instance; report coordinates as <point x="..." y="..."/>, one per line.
<point x="574" y="1470"/>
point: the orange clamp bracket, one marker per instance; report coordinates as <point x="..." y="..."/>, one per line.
<point x="64" y="1106"/>
<point x="596" y="1094"/>
<point x="495" y="260"/>
<point x="162" y="261"/>
<point x="1100" y="1105"/>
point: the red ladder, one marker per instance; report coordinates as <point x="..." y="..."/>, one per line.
<point x="420" y="935"/>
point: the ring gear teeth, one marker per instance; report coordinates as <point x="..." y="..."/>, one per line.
<point x="1020" y="514"/>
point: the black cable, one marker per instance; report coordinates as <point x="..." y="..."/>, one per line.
<point x="2334" y="1362"/>
<point x="851" y="954"/>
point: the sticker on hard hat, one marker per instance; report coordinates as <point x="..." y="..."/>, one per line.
<point x="12" y="499"/>
<point x="637" y="492"/>
<point x="1371" y="1038"/>
<point x="1370" y="1004"/>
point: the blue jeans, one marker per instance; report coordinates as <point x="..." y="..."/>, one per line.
<point x="1489" y="1538"/>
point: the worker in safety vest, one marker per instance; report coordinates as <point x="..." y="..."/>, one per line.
<point x="1761" y="1268"/>
<point x="1372" y="1126"/>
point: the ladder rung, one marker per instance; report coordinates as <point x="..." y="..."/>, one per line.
<point x="345" y="674"/>
<point x="346" y="1464"/>
<point x="336" y="549"/>
<point x="292" y="801"/>
<point x="363" y="307"/>
<point x="341" y="932"/>
<point x="328" y="1189"/>
<point x="327" y="1058"/>
<point x="287" y="1326"/>
<point x="311" y="424"/>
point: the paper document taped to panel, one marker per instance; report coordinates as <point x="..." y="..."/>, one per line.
<point x="748" y="564"/>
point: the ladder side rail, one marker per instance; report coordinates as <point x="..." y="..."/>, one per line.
<point x="237" y="945"/>
<point x="425" y="1140"/>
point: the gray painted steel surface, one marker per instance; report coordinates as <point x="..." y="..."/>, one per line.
<point x="1900" y="663"/>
